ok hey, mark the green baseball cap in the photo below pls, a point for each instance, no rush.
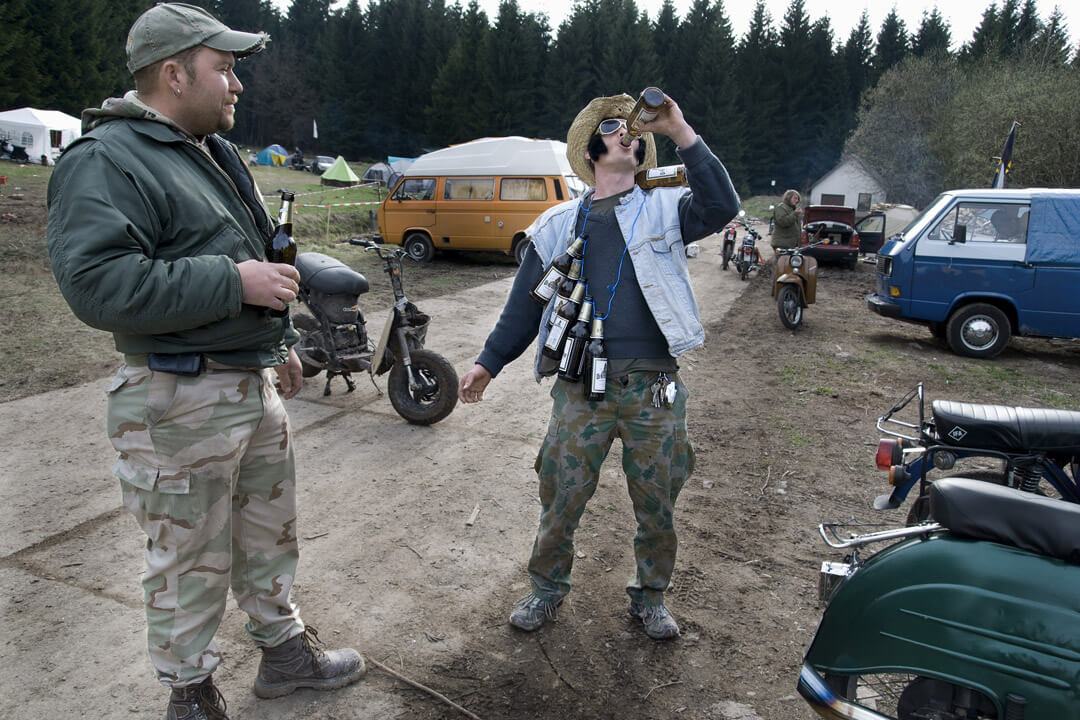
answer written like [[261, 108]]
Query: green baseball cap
[[169, 28]]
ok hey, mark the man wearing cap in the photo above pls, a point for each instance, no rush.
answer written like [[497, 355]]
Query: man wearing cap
[[636, 272], [157, 233]]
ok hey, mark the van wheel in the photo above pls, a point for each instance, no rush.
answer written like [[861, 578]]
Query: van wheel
[[978, 330], [419, 247], [520, 248]]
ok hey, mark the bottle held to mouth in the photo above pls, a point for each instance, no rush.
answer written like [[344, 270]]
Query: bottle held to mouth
[[645, 110]]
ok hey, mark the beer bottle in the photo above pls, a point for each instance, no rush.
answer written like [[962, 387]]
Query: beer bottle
[[566, 288], [595, 363], [557, 271], [647, 108], [553, 346], [667, 176], [570, 367], [282, 248]]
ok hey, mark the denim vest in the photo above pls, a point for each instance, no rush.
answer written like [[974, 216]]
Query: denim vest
[[649, 222]]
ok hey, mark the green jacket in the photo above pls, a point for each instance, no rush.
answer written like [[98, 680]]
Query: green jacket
[[787, 231], [146, 226]]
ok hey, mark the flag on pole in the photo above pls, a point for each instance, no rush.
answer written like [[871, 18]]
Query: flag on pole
[[1005, 164], [314, 128]]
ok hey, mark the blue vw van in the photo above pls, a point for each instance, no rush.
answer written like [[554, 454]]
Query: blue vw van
[[979, 266]]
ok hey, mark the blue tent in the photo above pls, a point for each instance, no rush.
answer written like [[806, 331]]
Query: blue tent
[[272, 155]]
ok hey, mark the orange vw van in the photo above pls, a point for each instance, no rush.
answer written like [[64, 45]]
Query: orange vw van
[[479, 195]]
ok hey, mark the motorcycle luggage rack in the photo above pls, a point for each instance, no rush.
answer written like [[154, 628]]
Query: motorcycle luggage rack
[[888, 418], [830, 533]]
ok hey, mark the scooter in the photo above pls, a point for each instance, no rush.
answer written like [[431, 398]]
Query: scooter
[[728, 248], [422, 384], [747, 258], [1031, 449], [794, 283], [970, 617]]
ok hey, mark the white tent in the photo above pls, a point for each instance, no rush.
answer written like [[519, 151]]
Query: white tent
[[40, 132]]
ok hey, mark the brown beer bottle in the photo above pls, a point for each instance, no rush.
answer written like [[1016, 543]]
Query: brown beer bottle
[[557, 271], [282, 248], [595, 363], [648, 106], [556, 336], [667, 176], [571, 367], [565, 289]]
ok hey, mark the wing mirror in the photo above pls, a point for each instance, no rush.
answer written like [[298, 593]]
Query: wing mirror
[[959, 235]]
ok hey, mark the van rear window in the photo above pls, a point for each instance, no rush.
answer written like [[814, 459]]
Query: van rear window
[[469, 188], [523, 189]]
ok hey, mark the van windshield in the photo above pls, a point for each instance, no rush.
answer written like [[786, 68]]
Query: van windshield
[[415, 189]]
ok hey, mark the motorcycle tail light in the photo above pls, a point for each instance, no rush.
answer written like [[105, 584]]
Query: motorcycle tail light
[[889, 453]]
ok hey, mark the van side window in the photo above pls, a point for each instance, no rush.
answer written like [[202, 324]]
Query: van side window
[[416, 189], [558, 189], [523, 189], [469, 188], [985, 222]]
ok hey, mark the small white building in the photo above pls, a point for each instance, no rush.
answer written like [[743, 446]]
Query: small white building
[[852, 183], [40, 132]]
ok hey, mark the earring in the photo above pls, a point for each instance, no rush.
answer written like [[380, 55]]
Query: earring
[[177, 92]]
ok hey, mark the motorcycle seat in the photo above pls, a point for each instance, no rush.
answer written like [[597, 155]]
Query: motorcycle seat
[[1012, 429], [985, 511], [328, 275]]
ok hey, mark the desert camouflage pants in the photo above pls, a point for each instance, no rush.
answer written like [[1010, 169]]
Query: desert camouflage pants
[[206, 468], [657, 459]]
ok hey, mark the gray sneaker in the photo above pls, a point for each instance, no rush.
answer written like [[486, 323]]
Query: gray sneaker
[[531, 612], [659, 625]]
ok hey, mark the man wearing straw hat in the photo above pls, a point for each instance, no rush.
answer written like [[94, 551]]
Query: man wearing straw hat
[[635, 267], [157, 234]]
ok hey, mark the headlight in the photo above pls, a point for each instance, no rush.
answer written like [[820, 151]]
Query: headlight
[[796, 261]]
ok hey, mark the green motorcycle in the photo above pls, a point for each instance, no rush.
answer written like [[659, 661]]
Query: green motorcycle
[[974, 616]]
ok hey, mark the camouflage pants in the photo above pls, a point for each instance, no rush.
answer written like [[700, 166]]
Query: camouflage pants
[[657, 459], [206, 468]]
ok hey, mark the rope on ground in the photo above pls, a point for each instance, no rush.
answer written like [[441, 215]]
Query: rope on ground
[[418, 686]]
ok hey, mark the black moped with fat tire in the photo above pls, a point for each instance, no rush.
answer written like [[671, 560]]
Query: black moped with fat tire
[[422, 384]]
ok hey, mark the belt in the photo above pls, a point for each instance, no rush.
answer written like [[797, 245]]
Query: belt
[[140, 360]]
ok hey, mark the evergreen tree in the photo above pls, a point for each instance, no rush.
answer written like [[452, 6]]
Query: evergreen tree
[[513, 56], [986, 38], [665, 43], [1027, 27], [706, 87], [19, 44], [933, 36], [1050, 45], [892, 44], [858, 57], [459, 102], [796, 64], [760, 98]]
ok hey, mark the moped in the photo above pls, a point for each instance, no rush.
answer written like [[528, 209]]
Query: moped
[[728, 248], [970, 617], [1032, 449], [422, 384], [747, 258], [794, 283]]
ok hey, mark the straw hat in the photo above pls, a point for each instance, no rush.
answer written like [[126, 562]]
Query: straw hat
[[584, 126]]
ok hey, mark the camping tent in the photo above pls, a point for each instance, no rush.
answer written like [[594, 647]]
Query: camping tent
[[272, 155], [377, 172], [340, 174], [40, 132]]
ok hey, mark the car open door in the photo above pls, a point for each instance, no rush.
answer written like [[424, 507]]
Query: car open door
[[871, 231]]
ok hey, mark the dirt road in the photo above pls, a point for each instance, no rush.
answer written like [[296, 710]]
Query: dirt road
[[783, 424]]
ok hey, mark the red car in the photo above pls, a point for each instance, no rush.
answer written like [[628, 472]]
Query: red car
[[834, 227]]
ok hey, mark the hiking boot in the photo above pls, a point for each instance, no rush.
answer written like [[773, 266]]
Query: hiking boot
[[299, 662], [531, 612], [202, 701], [659, 625]]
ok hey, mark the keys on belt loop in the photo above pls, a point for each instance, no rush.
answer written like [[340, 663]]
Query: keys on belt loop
[[664, 391]]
